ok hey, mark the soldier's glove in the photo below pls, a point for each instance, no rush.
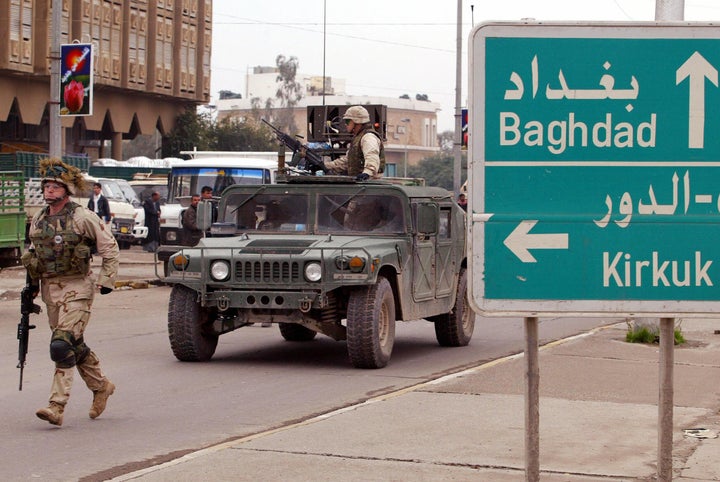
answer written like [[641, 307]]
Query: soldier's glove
[[315, 163], [105, 290], [363, 176]]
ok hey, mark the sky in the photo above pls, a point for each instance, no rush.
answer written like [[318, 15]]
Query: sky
[[388, 47]]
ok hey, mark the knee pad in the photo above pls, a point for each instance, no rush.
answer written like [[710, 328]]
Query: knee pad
[[61, 349], [81, 351]]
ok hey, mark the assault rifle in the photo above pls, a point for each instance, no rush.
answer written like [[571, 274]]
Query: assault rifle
[[303, 156], [27, 307]]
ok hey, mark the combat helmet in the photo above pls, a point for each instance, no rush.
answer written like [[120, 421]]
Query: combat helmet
[[358, 114], [55, 170]]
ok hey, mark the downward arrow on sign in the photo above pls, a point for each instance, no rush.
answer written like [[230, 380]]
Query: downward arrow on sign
[[520, 241]]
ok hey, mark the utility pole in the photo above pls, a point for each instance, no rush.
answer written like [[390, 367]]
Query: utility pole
[[55, 134], [457, 154]]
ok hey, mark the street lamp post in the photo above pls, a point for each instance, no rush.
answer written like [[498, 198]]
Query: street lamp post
[[406, 120]]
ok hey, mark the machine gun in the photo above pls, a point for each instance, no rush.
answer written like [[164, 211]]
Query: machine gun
[[303, 157], [27, 307]]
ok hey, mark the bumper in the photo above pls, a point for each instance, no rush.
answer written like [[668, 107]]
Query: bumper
[[140, 232], [123, 236], [122, 229], [265, 300]]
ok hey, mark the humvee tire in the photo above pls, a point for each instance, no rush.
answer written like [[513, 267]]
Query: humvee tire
[[185, 327], [456, 328], [371, 325]]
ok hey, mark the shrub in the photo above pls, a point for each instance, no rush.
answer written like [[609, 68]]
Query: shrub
[[642, 333]]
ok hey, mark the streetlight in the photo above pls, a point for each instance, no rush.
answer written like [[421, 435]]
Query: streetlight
[[407, 139]]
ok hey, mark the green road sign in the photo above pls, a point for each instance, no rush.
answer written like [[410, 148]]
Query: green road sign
[[594, 169]]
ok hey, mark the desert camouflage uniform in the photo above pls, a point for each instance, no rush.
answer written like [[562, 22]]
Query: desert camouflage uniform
[[61, 262], [366, 153]]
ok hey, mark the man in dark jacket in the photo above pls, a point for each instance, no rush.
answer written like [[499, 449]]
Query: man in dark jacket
[[206, 194], [99, 203], [152, 221], [191, 233]]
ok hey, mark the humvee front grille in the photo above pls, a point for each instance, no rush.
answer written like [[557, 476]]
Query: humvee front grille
[[268, 271]]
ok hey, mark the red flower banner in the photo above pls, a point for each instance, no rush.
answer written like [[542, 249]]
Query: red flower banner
[[76, 79]]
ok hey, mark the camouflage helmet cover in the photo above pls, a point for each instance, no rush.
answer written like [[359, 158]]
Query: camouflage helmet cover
[[55, 170], [357, 114]]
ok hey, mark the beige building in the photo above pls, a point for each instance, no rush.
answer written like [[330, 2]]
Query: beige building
[[411, 124], [152, 60]]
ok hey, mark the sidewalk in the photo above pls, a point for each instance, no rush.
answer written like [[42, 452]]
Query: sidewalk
[[598, 418], [137, 268]]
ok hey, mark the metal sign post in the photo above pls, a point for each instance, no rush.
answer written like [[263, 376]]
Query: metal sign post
[[55, 127], [532, 401], [665, 398]]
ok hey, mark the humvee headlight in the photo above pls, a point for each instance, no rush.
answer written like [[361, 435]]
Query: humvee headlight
[[171, 236], [220, 270], [180, 262], [356, 264], [313, 271]]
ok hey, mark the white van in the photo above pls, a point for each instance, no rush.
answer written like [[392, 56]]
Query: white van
[[140, 231], [189, 177], [122, 213]]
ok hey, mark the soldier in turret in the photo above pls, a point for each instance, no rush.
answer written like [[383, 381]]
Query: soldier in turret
[[365, 158], [63, 234]]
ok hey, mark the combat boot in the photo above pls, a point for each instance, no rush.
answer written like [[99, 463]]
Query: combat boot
[[100, 398], [52, 413]]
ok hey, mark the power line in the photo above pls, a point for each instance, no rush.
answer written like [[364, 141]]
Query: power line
[[622, 10], [341, 24], [301, 26]]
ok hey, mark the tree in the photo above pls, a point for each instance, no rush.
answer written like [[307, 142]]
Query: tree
[[438, 170], [233, 135], [446, 141], [289, 92], [192, 130], [229, 94], [199, 131]]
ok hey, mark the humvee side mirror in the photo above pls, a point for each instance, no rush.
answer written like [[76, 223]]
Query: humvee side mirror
[[427, 218], [204, 215]]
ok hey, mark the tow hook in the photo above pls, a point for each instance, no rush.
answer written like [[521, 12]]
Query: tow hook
[[223, 303], [305, 305]]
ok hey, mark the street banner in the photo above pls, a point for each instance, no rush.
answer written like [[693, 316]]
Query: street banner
[[76, 79]]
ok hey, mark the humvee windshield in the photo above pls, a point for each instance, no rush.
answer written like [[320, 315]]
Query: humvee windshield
[[336, 213], [186, 181]]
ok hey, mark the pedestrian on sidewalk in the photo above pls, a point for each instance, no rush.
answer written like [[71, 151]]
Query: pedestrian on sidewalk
[[206, 194], [99, 203], [191, 233], [152, 221], [62, 236]]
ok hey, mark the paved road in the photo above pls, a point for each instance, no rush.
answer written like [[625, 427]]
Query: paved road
[[164, 408]]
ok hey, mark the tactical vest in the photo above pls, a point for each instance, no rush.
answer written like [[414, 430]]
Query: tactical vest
[[60, 251], [356, 158]]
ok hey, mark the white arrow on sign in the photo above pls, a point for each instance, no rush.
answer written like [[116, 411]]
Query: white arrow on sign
[[697, 69], [520, 241]]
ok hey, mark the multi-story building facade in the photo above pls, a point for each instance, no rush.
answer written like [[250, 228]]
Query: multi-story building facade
[[152, 60]]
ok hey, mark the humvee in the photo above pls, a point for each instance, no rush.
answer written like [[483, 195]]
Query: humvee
[[325, 255]]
